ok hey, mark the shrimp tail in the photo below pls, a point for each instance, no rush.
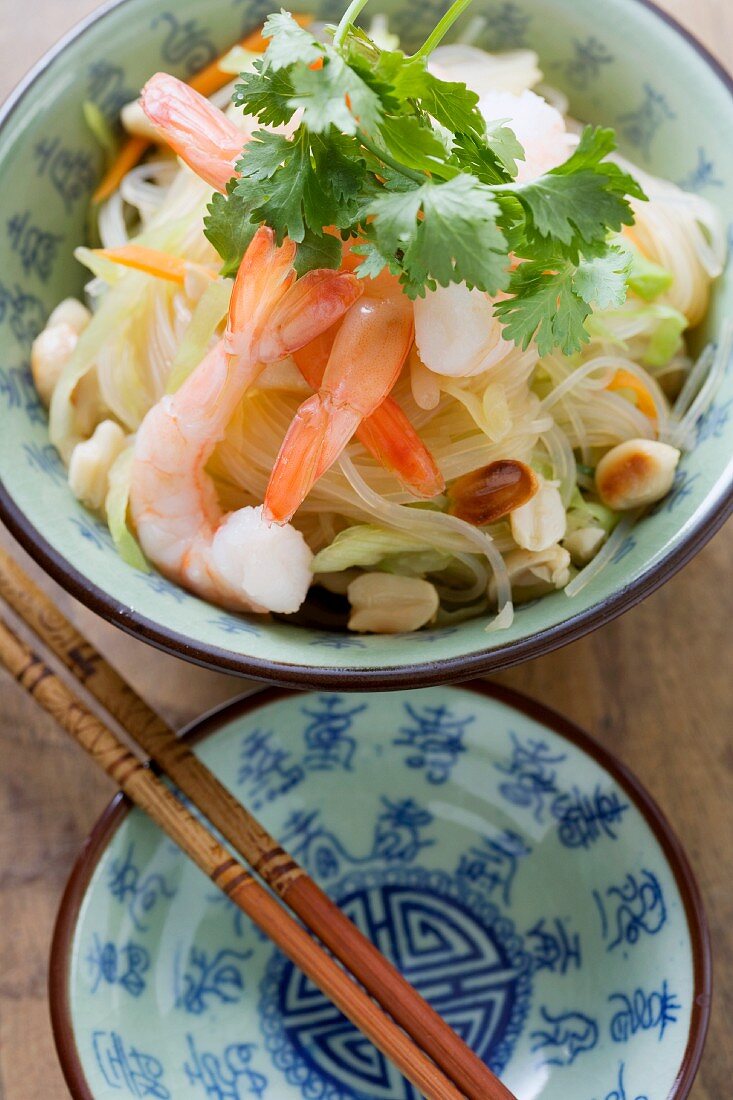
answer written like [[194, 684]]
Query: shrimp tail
[[271, 315], [314, 304], [389, 435], [317, 436], [201, 134]]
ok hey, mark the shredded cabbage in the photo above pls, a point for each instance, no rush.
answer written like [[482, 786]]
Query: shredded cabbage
[[116, 503], [207, 317]]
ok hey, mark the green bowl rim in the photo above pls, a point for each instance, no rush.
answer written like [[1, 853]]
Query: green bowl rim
[[60, 961], [712, 515]]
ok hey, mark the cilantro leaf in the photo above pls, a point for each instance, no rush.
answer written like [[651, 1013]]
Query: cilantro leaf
[[230, 230], [544, 308], [483, 160], [505, 145], [323, 103], [403, 162], [308, 182], [603, 280], [451, 104], [415, 144], [317, 252], [266, 95], [447, 233], [578, 202], [289, 42]]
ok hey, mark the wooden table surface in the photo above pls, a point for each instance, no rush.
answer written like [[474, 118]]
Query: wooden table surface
[[656, 687]]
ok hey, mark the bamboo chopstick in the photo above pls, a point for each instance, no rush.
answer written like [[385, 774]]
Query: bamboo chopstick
[[249, 838], [161, 805]]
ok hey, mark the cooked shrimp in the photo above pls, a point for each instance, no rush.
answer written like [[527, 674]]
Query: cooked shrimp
[[368, 354], [539, 128], [201, 134], [211, 145], [236, 560], [388, 433]]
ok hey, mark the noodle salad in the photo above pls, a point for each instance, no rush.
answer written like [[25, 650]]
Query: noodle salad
[[394, 327]]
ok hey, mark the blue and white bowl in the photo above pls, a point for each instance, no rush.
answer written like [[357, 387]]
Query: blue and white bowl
[[515, 872], [621, 62]]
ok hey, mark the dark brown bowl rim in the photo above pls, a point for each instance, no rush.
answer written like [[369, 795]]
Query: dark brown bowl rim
[[111, 819], [710, 519]]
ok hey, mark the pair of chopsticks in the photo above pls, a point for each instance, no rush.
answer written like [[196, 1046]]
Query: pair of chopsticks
[[401, 1024]]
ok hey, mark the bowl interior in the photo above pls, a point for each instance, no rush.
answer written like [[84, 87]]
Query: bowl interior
[[524, 888], [620, 63]]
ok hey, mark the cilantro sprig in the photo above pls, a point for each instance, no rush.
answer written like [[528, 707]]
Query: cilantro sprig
[[386, 152]]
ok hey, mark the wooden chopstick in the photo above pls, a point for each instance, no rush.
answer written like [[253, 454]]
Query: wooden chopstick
[[276, 866], [228, 874]]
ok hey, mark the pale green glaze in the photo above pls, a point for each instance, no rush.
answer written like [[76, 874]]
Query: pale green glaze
[[620, 63]]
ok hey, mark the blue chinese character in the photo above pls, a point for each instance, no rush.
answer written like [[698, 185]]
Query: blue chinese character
[[207, 979], [125, 966], [436, 736], [26, 314], [587, 62], [139, 893], [107, 88], [584, 818], [643, 1012], [555, 949], [702, 175], [186, 43], [618, 1092], [532, 775], [507, 26], [635, 907], [398, 832], [494, 864], [72, 172], [568, 1035], [124, 1067], [225, 1076], [641, 126], [328, 745], [713, 423], [266, 770], [397, 839], [36, 247]]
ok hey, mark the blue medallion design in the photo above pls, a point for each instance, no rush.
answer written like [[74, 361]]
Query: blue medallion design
[[450, 942]]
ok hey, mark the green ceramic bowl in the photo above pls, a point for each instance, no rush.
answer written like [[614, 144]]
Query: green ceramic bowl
[[621, 62]]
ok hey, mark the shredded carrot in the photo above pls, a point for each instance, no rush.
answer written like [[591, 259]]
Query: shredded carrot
[[625, 380], [160, 264], [128, 157], [207, 82]]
